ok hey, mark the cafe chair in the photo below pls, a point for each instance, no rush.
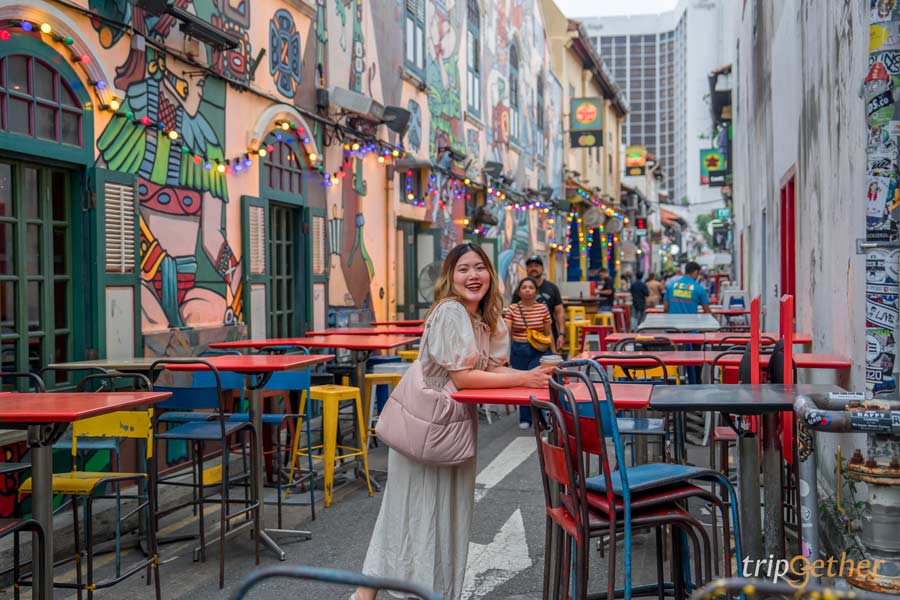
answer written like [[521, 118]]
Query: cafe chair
[[216, 428], [331, 576], [331, 397], [598, 332], [13, 470], [597, 423], [639, 373], [574, 522], [15, 527], [764, 588], [93, 485]]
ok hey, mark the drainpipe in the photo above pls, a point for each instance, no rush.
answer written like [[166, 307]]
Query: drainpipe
[[390, 234]]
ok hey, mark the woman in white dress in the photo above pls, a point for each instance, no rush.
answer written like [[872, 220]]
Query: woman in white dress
[[422, 531]]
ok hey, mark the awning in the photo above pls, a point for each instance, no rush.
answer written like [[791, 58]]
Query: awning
[[670, 218], [714, 260]]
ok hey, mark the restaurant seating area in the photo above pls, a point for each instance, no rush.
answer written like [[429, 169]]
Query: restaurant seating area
[[265, 422]]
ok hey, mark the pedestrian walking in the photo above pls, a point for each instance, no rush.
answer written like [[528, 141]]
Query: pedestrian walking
[[639, 294], [684, 295], [422, 531], [527, 321], [657, 290], [547, 293], [606, 291]]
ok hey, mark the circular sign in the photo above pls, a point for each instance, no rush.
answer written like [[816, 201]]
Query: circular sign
[[587, 140], [586, 113]]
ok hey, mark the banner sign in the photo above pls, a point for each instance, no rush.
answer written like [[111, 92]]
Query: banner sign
[[586, 122], [713, 167], [635, 160]]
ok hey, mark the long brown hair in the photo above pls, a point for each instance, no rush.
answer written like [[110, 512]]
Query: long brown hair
[[491, 305]]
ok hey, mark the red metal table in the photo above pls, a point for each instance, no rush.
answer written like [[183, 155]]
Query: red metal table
[[674, 358], [803, 360], [412, 322], [676, 337], [717, 337], [410, 330], [626, 396], [723, 312], [257, 368], [46, 417]]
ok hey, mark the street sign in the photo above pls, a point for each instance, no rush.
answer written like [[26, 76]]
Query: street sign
[[586, 122], [723, 213], [635, 160], [712, 160]]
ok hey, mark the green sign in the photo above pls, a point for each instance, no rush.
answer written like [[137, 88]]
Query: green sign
[[711, 160], [586, 122], [723, 214]]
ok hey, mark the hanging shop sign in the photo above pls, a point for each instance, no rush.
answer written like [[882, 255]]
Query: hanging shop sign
[[713, 167], [586, 122], [635, 160]]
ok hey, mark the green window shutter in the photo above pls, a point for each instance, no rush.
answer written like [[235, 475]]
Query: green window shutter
[[116, 232], [254, 234]]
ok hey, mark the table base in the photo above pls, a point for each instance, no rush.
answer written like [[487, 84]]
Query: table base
[[748, 481]]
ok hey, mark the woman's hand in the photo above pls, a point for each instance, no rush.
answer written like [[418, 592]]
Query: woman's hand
[[535, 378]]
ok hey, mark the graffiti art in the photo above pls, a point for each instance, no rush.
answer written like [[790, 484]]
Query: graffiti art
[[284, 53]]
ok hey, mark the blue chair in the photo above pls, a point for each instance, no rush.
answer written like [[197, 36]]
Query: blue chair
[[217, 428], [284, 381], [625, 483]]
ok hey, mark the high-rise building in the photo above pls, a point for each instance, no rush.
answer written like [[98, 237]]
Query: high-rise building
[[662, 61]]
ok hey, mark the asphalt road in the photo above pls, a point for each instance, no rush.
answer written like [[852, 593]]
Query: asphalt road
[[506, 556]]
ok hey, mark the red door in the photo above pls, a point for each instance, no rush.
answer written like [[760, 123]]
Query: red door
[[788, 234]]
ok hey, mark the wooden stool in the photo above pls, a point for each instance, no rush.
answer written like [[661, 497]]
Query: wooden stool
[[331, 397], [373, 380]]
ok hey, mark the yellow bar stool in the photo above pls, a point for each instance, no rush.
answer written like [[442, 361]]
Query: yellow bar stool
[[373, 380], [408, 355], [331, 396], [605, 318], [576, 313], [573, 329]]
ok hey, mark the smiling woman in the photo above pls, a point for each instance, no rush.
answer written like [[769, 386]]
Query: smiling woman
[[422, 532]]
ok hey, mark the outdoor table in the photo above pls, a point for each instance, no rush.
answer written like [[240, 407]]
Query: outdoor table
[[401, 323], [748, 399], [257, 369], [626, 396], [678, 338], [803, 360], [723, 312], [360, 345], [414, 330], [681, 322], [716, 337], [46, 416], [137, 364], [672, 358]]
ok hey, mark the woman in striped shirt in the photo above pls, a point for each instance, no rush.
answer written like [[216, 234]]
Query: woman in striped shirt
[[520, 317]]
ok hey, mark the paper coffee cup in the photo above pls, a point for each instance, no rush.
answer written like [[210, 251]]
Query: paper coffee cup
[[548, 361]]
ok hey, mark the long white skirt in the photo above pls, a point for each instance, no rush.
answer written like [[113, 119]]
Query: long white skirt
[[422, 531]]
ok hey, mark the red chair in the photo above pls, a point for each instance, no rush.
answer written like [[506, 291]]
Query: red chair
[[622, 315], [600, 330], [573, 519]]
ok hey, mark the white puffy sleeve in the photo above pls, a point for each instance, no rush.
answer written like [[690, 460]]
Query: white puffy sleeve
[[451, 341], [499, 350]]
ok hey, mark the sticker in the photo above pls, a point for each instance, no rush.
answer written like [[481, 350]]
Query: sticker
[[804, 489], [880, 90], [881, 10], [882, 196]]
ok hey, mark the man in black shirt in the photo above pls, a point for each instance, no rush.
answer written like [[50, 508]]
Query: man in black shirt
[[639, 293], [606, 291], [547, 293]]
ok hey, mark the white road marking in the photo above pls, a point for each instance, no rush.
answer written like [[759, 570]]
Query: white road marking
[[505, 463], [492, 565]]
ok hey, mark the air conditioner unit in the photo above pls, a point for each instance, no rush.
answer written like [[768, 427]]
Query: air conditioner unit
[[356, 103]]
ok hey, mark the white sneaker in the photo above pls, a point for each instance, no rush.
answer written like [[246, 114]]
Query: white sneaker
[[524, 425]]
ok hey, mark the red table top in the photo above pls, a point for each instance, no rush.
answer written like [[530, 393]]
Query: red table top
[[66, 407], [718, 336], [405, 330], [803, 360], [677, 338], [678, 358], [625, 396], [410, 322], [255, 363], [727, 312], [347, 342]]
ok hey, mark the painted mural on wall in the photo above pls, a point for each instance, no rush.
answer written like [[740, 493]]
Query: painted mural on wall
[[882, 89], [190, 274], [284, 53], [442, 68]]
